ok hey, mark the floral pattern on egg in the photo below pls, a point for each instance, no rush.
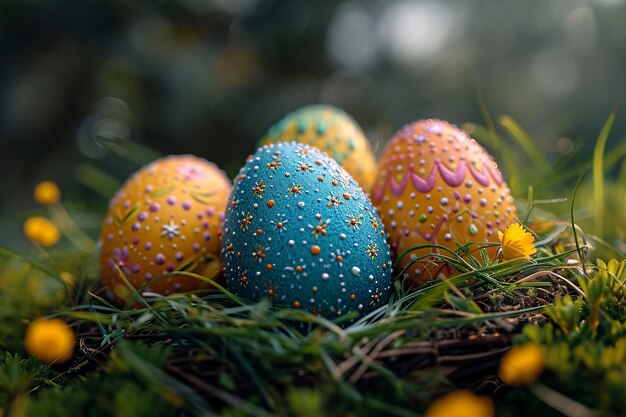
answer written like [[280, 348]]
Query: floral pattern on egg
[[167, 217], [301, 232], [333, 131], [436, 185]]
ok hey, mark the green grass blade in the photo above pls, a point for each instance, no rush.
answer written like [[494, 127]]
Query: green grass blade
[[517, 132], [71, 231], [496, 142], [580, 254], [616, 154], [390, 409], [156, 376], [53, 273], [97, 180], [137, 297], [598, 173], [610, 160], [602, 242], [130, 150], [621, 178]]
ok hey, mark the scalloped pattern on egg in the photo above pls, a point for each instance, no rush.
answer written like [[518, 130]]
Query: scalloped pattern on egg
[[436, 185]]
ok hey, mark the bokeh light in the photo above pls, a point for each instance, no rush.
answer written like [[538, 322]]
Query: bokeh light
[[209, 77]]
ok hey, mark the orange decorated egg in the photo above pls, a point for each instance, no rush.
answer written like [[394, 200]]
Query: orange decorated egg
[[167, 217], [436, 185], [333, 131]]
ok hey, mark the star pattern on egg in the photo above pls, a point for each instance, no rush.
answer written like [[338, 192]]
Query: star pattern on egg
[[436, 185], [167, 217], [170, 230], [297, 246]]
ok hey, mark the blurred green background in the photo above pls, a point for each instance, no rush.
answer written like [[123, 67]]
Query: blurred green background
[[209, 77]]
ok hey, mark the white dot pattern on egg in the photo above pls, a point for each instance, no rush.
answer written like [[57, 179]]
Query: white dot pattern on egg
[[301, 232], [436, 185]]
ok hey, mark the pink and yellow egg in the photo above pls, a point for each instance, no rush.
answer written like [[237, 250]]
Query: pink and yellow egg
[[436, 185]]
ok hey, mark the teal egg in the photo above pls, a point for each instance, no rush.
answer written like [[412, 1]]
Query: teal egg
[[300, 231]]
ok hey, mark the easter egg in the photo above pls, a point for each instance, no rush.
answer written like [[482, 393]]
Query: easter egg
[[333, 131], [167, 217], [301, 232], [436, 185]]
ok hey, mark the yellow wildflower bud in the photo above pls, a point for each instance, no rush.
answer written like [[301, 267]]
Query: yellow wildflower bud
[[522, 364], [47, 193], [67, 278], [462, 403], [516, 242], [42, 231], [50, 340]]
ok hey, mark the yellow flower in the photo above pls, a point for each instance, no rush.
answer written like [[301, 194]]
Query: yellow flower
[[461, 403], [522, 364], [516, 242], [42, 231], [67, 278], [50, 340], [47, 193]]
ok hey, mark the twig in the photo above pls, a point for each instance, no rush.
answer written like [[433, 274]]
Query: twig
[[560, 402], [368, 359]]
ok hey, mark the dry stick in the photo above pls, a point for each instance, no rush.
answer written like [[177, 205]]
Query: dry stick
[[79, 365], [453, 343], [368, 359], [534, 276], [455, 312], [450, 366], [359, 350], [472, 356], [544, 291], [409, 352], [435, 347], [560, 402], [555, 275]]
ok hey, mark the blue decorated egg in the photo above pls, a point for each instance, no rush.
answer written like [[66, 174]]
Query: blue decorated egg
[[301, 232]]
